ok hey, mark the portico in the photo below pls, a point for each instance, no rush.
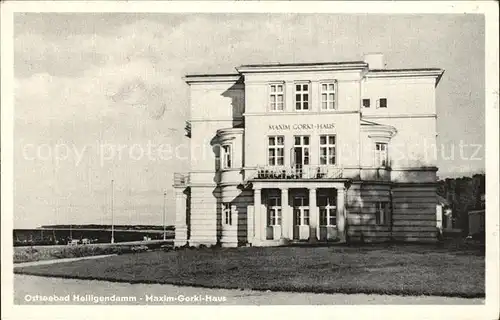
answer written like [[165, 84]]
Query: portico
[[297, 211]]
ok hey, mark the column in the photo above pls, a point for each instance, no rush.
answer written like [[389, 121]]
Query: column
[[291, 223], [250, 224], [286, 219], [257, 203], [180, 218], [263, 224], [313, 216], [341, 219]]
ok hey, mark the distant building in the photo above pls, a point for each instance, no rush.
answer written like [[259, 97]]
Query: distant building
[[309, 152], [477, 218]]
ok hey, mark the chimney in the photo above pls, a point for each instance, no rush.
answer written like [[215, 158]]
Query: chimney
[[375, 60]]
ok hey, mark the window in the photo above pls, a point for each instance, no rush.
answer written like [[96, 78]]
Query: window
[[382, 103], [328, 96], [274, 211], [366, 103], [381, 154], [327, 211], [276, 151], [226, 156], [327, 151], [302, 97], [301, 211], [301, 151], [226, 213], [276, 97], [382, 214]]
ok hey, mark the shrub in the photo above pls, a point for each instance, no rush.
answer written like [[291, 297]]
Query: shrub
[[28, 254]]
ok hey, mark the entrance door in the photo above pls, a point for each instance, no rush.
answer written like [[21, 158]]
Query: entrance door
[[300, 155], [273, 229], [327, 217], [300, 218]]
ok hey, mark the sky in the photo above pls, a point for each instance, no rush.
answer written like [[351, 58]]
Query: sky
[[96, 95]]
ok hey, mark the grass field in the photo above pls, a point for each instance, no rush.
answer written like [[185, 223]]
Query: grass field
[[381, 269]]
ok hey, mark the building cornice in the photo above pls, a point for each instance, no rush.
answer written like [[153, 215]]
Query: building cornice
[[376, 130], [216, 120], [422, 168], [211, 78], [389, 116], [406, 73], [297, 67], [230, 131], [290, 113]]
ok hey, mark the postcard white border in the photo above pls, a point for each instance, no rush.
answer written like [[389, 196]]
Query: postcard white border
[[488, 311]]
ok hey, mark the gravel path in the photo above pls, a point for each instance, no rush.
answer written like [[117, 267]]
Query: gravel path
[[27, 288]]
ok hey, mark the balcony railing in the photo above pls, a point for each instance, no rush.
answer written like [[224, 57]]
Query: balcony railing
[[297, 172], [181, 179]]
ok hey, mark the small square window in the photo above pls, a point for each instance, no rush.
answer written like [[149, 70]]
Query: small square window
[[383, 103], [366, 103]]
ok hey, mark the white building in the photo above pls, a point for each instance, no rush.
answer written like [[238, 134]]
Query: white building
[[310, 152]]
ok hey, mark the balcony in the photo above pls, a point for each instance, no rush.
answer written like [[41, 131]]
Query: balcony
[[181, 179], [296, 172]]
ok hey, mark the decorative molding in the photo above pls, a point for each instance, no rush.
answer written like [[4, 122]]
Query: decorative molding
[[422, 168], [203, 185], [217, 120], [230, 131], [389, 116], [210, 78], [400, 73], [263, 68], [378, 131], [288, 113]]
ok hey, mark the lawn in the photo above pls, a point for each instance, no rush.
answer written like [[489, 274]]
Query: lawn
[[381, 269]]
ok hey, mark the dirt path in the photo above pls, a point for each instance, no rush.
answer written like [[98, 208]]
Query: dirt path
[[27, 288], [42, 262]]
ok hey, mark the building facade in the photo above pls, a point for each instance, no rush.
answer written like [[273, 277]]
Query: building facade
[[313, 152]]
